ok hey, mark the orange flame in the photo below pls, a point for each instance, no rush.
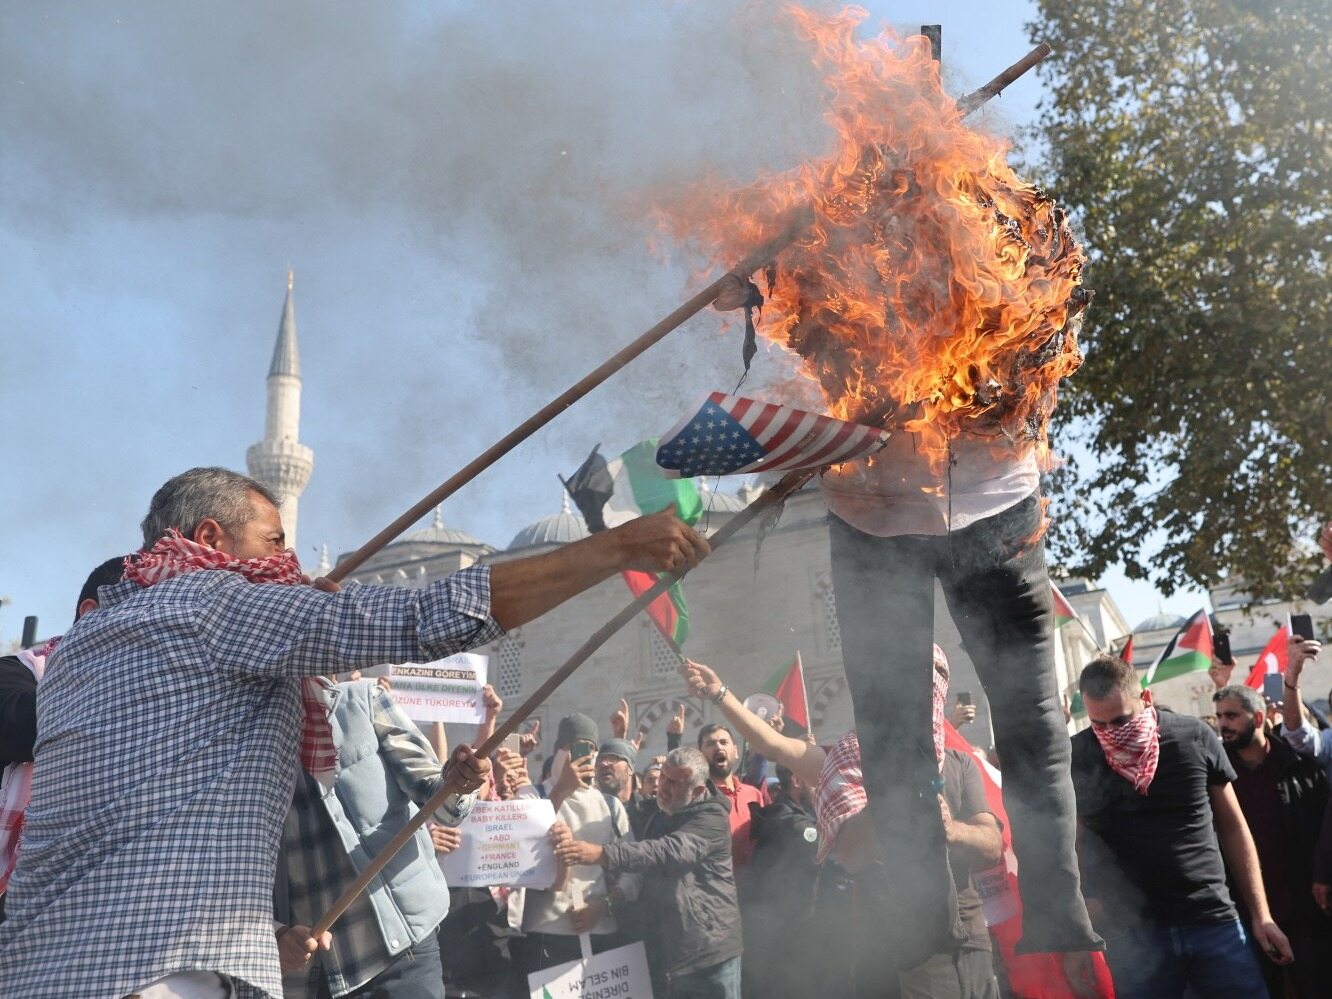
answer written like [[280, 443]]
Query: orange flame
[[932, 277]]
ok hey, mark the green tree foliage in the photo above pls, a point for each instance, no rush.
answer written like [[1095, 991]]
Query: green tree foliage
[[1191, 139]]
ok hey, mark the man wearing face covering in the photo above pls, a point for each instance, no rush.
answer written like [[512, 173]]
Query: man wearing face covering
[[1158, 813]]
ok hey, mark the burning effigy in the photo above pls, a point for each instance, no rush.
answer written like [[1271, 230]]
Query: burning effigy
[[933, 292]]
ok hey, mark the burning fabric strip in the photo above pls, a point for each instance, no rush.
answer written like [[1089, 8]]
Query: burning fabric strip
[[732, 435]]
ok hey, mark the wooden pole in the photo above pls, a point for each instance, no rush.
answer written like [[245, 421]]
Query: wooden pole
[[995, 87], [792, 231], [787, 485], [795, 226]]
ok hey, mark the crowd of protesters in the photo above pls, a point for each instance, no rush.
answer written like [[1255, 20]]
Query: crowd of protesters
[[211, 773]]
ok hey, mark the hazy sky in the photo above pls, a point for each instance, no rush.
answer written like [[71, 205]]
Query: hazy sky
[[460, 190]]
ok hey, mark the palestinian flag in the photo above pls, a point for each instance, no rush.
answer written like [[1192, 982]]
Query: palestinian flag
[[1126, 650], [1075, 706], [1190, 651], [1063, 610], [611, 493], [788, 686], [1274, 658]]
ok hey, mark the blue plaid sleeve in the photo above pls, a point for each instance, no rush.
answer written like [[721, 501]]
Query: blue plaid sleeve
[[269, 631], [407, 755]]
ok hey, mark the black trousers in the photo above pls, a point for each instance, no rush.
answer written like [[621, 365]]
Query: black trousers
[[994, 579]]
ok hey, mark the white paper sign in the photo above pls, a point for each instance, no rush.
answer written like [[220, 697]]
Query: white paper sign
[[504, 843], [621, 973], [447, 690]]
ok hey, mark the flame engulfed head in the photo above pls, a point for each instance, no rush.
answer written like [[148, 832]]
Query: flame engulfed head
[[932, 281]]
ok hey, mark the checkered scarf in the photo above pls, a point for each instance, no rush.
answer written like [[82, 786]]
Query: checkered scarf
[[174, 553], [841, 790], [1133, 749]]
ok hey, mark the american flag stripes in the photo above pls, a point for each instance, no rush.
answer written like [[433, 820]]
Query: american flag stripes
[[732, 435]]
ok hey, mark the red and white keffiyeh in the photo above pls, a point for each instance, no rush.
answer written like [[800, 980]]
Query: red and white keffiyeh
[[939, 672], [1133, 749], [841, 790], [16, 785], [840, 794], [174, 554]]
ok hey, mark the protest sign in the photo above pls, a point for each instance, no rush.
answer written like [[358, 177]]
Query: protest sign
[[504, 843], [447, 690], [621, 973]]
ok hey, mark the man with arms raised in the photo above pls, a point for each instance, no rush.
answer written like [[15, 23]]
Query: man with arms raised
[[1157, 814], [169, 726]]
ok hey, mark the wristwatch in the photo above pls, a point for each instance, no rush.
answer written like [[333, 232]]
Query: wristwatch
[[721, 693]]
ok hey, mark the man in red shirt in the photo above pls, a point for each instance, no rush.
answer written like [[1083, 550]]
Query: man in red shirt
[[718, 747]]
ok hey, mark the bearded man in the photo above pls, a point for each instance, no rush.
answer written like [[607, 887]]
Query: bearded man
[[169, 726]]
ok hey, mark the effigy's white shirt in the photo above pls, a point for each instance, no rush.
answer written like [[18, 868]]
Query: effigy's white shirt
[[896, 492]]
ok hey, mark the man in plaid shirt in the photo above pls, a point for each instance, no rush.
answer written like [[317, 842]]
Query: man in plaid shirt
[[168, 726]]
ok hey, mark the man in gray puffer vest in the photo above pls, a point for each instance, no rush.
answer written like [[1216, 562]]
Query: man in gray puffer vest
[[385, 944]]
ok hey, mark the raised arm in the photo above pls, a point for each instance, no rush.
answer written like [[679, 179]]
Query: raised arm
[[796, 755], [493, 705], [526, 588]]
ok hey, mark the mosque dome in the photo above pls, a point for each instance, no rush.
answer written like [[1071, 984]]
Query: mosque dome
[[1159, 622], [718, 502], [438, 534], [557, 529]]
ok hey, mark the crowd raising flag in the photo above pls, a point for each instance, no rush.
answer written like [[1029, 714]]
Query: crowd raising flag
[[611, 493], [732, 435], [1273, 659], [1190, 651]]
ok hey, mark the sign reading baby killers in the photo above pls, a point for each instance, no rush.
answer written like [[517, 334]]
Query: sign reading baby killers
[[504, 843], [621, 973], [447, 690]]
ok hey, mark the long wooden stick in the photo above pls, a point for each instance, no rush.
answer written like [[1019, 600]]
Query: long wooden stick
[[787, 485], [794, 228], [792, 231]]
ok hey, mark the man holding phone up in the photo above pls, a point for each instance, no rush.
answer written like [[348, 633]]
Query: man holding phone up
[[584, 899]]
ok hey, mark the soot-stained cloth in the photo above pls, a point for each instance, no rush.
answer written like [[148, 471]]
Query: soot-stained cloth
[[168, 730]]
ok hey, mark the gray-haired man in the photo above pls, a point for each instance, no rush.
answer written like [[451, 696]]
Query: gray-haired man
[[688, 883], [169, 724]]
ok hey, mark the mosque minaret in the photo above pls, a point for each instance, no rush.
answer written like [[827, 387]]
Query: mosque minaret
[[280, 461]]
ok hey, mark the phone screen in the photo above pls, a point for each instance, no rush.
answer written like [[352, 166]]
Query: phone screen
[[964, 697], [1301, 625], [1272, 687]]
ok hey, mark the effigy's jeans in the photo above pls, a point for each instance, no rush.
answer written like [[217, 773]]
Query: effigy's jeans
[[994, 579]]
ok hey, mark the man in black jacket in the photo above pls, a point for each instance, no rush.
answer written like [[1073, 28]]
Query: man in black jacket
[[1283, 796], [782, 941], [688, 883]]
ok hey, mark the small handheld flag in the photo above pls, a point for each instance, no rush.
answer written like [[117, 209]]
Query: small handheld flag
[[1274, 658], [732, 435], [1190, 651]]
